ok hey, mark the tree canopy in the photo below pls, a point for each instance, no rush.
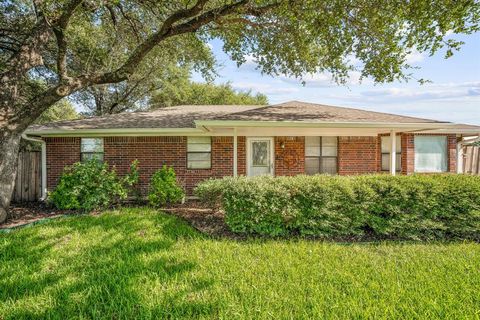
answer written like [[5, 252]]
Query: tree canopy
[[62, 110], [187, 92]]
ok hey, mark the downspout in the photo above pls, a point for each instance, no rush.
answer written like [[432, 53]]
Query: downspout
[[43, 159]]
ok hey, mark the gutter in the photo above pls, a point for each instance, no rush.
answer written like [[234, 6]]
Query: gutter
[[339, 124], [43, 159]]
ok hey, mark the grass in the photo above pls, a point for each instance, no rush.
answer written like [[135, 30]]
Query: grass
[[140, 263]]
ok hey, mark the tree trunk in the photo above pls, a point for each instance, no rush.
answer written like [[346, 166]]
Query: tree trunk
[[9, 145]]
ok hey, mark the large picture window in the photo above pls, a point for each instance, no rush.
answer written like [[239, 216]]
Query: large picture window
[[199, 152], [386, 145], [321, 155], [91, 148], [430, 153]]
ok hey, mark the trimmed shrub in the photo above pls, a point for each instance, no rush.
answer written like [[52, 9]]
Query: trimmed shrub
[[379, 206], [164, 188], [91, 185]]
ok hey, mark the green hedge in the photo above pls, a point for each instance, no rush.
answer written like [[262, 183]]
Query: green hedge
[[378, 206]]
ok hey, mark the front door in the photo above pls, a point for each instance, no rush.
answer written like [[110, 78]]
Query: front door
[[260, 156]]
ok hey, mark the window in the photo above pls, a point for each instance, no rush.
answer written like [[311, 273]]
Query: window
[[91, 148], [430, 153], [386, 145], [321, 155], [199, 152]]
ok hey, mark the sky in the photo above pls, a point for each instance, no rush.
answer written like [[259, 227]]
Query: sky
[[453, 94]]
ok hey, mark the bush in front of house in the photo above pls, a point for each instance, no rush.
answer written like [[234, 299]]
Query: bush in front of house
[[164, 188], [92, 185], [378, 206]]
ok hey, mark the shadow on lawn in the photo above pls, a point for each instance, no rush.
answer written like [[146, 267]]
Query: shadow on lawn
[[107, 266]]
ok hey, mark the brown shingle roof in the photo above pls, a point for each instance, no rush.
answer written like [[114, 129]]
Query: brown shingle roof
[[171, 117], [184, 116], [311, 112]]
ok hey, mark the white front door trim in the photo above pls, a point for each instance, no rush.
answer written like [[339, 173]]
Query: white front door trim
[[249, 153]]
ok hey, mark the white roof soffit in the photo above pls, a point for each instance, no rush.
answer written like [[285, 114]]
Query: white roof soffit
[[219, 127], [466, 131], [115, 132]]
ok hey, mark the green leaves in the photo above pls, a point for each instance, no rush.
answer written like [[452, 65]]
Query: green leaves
[[185, 92], [164, 188], [91, 185], [419, 207]]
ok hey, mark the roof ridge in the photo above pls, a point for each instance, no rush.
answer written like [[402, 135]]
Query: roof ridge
[[357, 109]]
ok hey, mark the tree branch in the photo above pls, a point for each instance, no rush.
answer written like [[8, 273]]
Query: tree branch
[[166, 31], [59, 30]]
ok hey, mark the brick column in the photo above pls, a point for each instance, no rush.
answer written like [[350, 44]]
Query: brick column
[[408, 153]]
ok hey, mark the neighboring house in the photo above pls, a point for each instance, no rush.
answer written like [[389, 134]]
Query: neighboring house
[[291, 138]]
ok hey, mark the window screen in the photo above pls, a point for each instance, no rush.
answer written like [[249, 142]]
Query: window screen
[[91, 148], [430, 153], [385, 141], [199, 152], [321, 155]]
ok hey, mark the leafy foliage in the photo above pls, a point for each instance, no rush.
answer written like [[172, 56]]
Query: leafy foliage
[[91, 185], [62, 110], [164, 188], [381, 206], [186, 92]]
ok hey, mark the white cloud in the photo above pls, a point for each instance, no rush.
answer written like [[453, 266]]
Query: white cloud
[[415, 57], [325, 80], [265, 88], [464, 90]]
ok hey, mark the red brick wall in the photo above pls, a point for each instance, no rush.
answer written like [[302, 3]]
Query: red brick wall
[[289, 160], [357, 155], [152, 153], [242, 156], [452, 153], [61, 152], [408, 153]]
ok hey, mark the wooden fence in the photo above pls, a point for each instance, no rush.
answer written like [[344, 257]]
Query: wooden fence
[[29, 173], [471, 160]]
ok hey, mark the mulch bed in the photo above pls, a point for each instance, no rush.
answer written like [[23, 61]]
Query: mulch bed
[[28, 212], [205, 220]]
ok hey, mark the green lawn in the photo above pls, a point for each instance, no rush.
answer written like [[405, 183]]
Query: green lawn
[[140, 263]]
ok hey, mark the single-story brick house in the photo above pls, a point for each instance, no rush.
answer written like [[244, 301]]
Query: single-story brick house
[[291, 138]]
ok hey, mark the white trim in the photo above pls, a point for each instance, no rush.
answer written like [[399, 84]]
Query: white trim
[[459, 157], [235, 153], [117, 132], [204, 127], [339, 124], [272, 153], [393, 152]]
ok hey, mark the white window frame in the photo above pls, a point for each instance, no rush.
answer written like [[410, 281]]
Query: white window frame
[[97, 152], [321, 157], [189, 162], [398, 153], [446, 160]]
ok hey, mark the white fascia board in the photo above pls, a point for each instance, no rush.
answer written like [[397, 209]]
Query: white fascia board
[[452, 131], [302, 124], [116, 132]]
